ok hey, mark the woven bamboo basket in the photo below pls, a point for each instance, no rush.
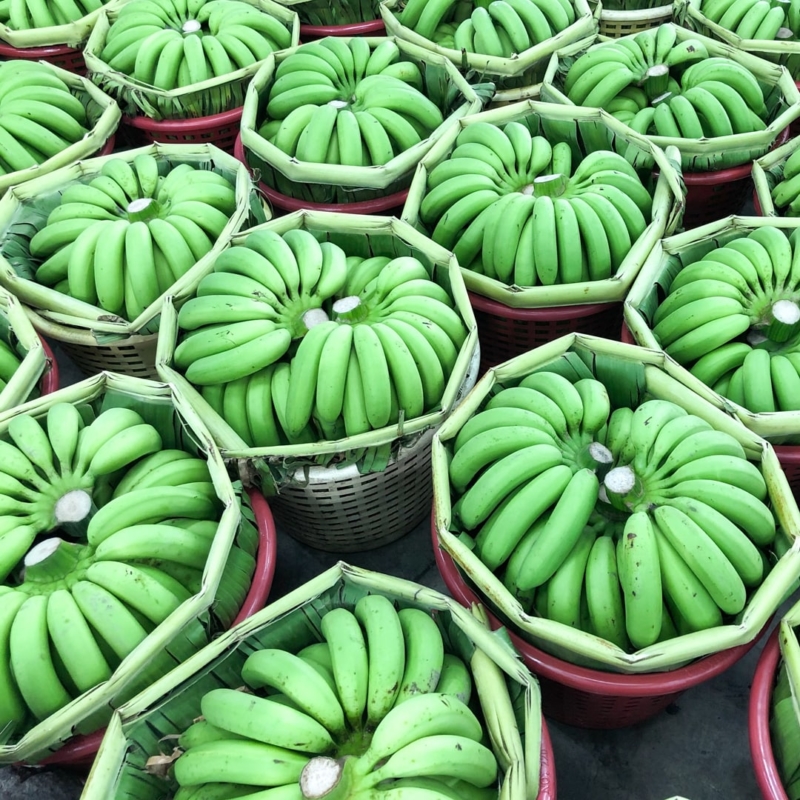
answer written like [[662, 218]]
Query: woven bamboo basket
[[304, 181], [94, 339], [361, 491], [512, 319], [104, 116], [137, 730], [628, 22], [657, 376], [179, 427], [780, 428]]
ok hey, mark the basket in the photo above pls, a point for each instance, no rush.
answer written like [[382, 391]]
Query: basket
[[291, 622], [767, 776], [220, 130], [50, 380], [134, 356], [63, 56], [80, 751], [588, 698], [614, 24], [372, 27], [505, 332]]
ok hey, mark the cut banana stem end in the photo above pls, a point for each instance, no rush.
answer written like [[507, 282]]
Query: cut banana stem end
[[314, 317], [323, 777], [656, 80], [597, 457], [51, 560], [191, 26], [350, 309], [785, 321], [623, 488], [142, 209], [550, 185], [73, 511]]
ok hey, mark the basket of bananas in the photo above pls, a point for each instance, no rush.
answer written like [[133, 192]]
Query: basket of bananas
[[168, 61], [420, 700], [774, 724], [49, 118], [649, 529], [349, 340], [721, 107], [27, 365], [125, 548], [748, 368], [50, 31], [507, 42], [776, 186], [549, 230], [396, 100], [166, 209]]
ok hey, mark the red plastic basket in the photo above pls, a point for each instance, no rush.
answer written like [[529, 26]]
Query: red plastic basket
[[79, 752], [50, 379], [220, 130], [588, 698], [767, 776], [505, 332], [60, 55], [391, 204], [373, 27]]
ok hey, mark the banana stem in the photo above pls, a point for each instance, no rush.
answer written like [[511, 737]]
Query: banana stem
[[350, 309], [785, 321], [656, 80], [595, 456], [624, 488], [143, 209], [73, 511], [191, 26], [328, 778], [550, 185], [51, 560]]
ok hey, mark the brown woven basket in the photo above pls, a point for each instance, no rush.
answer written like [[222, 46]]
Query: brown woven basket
[[135, 355], [614, 24]]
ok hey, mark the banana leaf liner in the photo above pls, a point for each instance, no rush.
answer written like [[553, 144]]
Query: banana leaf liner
[[179, 426], [338, 183], [24, 210], [103, 114], [74, 34], [16, 331], [522, 69], [341, 12], [585, 129], [652, 284], [218, 94], [630, 374], [699, 155], [783, 52], [140, 742], [371, 451], [768, 172]]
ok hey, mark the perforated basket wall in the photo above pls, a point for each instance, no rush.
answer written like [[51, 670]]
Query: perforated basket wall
[[614, 24], [220, 130], [63, 56], [134, 356]]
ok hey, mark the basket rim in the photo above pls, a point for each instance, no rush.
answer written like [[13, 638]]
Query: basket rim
[[50, 379], [584, 679], [547, 314], [351, 29], [80, 750], [183, 125], [38, 52], [761, 753]]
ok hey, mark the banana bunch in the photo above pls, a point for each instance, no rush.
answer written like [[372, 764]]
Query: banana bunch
[[500, 28], [377, 710], [634, 525], [661, 88], [341, 102], [160, 221], [511, 206], [23, 15], [170, 44], [291, 341], [145, 519], [786, 192], [753, 19], [733, 320], [39, 115]]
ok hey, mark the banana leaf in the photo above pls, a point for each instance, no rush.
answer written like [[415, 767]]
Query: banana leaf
[[699, 155], [218, 94], [74, 34], [783, 52], [17, 332], [145, 728], [380, 236], [329, 183], [24, 210], [768, 172], [653, 282], [659, 377], [523, 69], [179, 426], [583, 129], [103, 114]]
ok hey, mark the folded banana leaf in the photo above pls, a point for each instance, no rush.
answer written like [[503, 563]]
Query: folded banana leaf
[[768, 172], [585, 130], [639, 372], [213, 96], [139, 745]]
